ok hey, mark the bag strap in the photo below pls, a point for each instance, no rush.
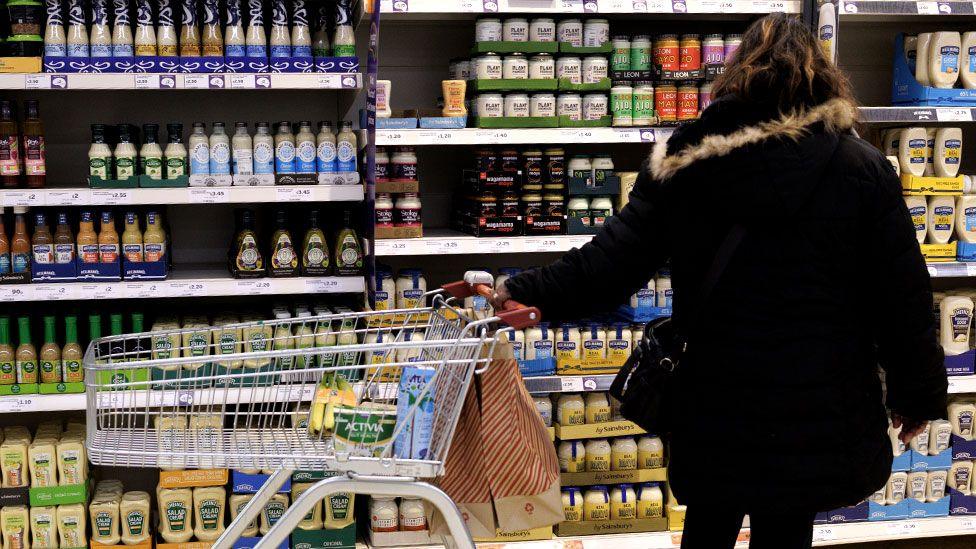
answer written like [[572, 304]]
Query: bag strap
[[719, 263]]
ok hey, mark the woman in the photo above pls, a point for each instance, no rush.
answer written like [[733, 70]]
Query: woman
[[780, 404]]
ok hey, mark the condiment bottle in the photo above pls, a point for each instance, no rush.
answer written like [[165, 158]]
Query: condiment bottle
[[125, 154], [4, 247], [101, 36], [219, 150], [213, 40], [86, 238], [264, 147], [234, 40], [325, 161], [145, 32], [64, 241], [122, 30], [77, 40], [257, 41], [320, 38], [344, 40], [8, 358], [175, 153], [108, 239], [315, 251], [71, 353], [137, 348], [99, 154], [166, 36], [154, 239], [284, 149], [199, 150], [280, 41], [346, 148], [284, 260], [132, 238], [242, 150], [42, 243], [189, 31], [301, 38], [9, 146], [151, 154], [34, 154], [305, 148], [20, 245], [55, 44], [246, 254], [26, 366], [50, 354], [348, 252]]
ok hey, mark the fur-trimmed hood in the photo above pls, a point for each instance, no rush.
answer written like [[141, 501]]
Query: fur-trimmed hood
[[700, 141]]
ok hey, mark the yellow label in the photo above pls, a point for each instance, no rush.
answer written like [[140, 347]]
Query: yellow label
[[596, 511], [649, 509], [618, 350], [576, 465], [597, 414], [624, 461], [597, 462], [623, 510], [573, 416], [573, 513], [650, 460], [594, 349]]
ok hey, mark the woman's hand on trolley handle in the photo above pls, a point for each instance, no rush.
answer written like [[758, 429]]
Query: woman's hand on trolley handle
[[500, 296]]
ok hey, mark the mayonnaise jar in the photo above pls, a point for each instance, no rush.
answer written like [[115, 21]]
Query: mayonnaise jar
[[572, 456], [650, 453], [597, 455], [623, 454], [644, 298], [517, 339], [572, 505], [663, 292], [570, 410], [385, 289], [504, 274], [620, 341], [544, 406], [410, 288], [594, 342], [539, 342], [623, 502], [568, 343], [596, 503], [597, 408], [650, 501]]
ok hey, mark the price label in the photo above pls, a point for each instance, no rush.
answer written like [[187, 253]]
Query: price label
[[209, 195], [824, 533], [659, 6], [21, 198], [967, 524], [112, 197], [970, 269], [141, 290], [495, 246], [571, 384], [389, 138], [708, 6], [108, 291], [571, 6], [46, 292], [146, 82], [291, 394], [727, 6], [196, 82], [68, 198], [37, 82], [777, 6], [903, 528], [927, 8], [541, 245], [450, 247], [253, 287], [13, 292], [241, 81], [954, 115], [196, 288], [177, 289], [17, 404], [433, 247], [322, 285], [445, 137], [294, 194]]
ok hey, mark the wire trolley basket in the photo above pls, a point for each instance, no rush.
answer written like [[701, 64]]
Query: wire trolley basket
[[374, 395]]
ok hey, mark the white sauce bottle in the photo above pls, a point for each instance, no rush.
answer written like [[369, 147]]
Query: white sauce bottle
[[320, 38], [961, 476], [942, 218], [967, 60], [940, 432], [948, 151], [263, 149], [175, 153], [234, 39], [213, 38], [55, 43], [301, 35], [966, 218], [920, 443], [344, 40], [944, 59], [325, 158], [961, 415], [199, 150], [284, 142], [911, 151], [151, 154], [257, 42], [922, 58], [895, 490], [918, 208], [100, 38], [122, 30], [243, 150], [77, 40], [930, 152], [956, 314], [145, 32], [166, 38], [280, 37], [305, 149], [125, 154], [916, 485], [346, 148], [826, 29], [219, 150]]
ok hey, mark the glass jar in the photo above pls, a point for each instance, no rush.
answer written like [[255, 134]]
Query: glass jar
[[620, 58], [544, 406], [622, 104], [597, 455], [650, 501], [532, 169], [601, 208], [690, 52], [595, 106], [410, 288], [713, 49], [542, 104], [666, 102], [488, 67], [462, 70], [384, 514], [532, 204], [597, 406], [382, 165], [596, 503], [385, 288], [666, 52], [594, 69], [542, 29], [570, 105], [487, 157], [643, 103], [623, 454], [580, 167], [570, 409], [704, 95], [570, 68], [623, 502], [572, 504], [383, 208], [404, 164], [408, 210], [491, 105], [732, 43], [487, 204], [620, 340], [640, 53], [413, 516], [553, 204], [510, 204], [664, 294], [554, 165], [542, 66], [510, 160], [650, 451], [488, 29], [596, 32], [567, 343], [517, 105], [515, 67], [515, 29], [687, 99], [570, 31], [571, 453], [579, 208]]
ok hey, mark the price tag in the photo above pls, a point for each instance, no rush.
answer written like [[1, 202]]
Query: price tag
[[571, 384], [707, 6], [241, 81], [209, 195], [44, 292], [322, 285], [571, 6], [777, 6], [196, 82], [293, 194], [16, 404], [449, 246], [433, 247], [541, 245], [196, 288], [141, 290], [389, 138], [445, 137], [927, 8], [112, 197], [108, 291], [68, 198], [14, 292], [971, 269], [954, 115], [495, 246], [658, 6], [903, 528], [146, 82], [967, 524], [20, 198], [582, 135], [253, 287], [824, 533], [37, 82]]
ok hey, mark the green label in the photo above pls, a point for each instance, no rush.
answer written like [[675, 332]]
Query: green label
[[176, 515], [154, 167], [7, 373], [209, 513], [98, 167], [228, 343], [49, 370], [340, 505], [103, 523], [175, 167], [125, 167], [258, 342], [72, 370], [273, 510], [198, 344], [163, 347], [134, 521], [643, 105]]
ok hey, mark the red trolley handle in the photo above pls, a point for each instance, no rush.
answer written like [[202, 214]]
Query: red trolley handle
[[514, 314]]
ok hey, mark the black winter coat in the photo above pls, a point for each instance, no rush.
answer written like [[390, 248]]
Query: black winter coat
[[780, 398]]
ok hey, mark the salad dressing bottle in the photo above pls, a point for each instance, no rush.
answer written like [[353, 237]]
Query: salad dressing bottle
[[4, 247], [55, 43], [71, 354], [234, 40], [50, 354], [344, 41], [145, 32], [280, 39], [325, 161], [64, 241], [301, 38], [10, 162], [154, 239], [8, 360], [26, 366], [348, 251], [125, 154], [346, 148], [242, 150], [101, 35], [284, 149], [108, 239], [122, 30], [166, 35], [219, 150], [175, 153], [284, 260], [77, 41], [315, 252], [213, 40], [189, 31], [35, 166], [264, 149], [320, 39], [42, 244], [151, 154], [246, 254], [99, 154], [132, 239], [199, 150], [256, 41], [20, 244], [87, 239], [305, 148]]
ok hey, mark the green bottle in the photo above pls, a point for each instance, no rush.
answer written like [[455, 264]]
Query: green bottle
[[348, 252], [95, 333], [50, 353], [72, 353], [117, 346], [8, 375], [26, 353], [137, 348]]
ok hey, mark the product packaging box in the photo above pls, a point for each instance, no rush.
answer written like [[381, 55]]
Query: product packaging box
[[963, 449], [246, 483], [961, 504], [250, 543], [54, 272], [537, 367], [160, 544], [585, 528], [928, 509], [902, 462], [634, 476], [535, 534], [401, 539], [14, 496], [58, 495], [148, 544], [939, 253], [324, 539], [961, 365], [598, 430], [914, 184], [192, 478], [898, 511], [854, 513], [905, 90], [939, 462], [19, 389]]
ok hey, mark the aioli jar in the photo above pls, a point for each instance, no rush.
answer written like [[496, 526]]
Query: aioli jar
[[622, 104], [713, 49], [666, 102], [488, 29], [542, 104], [594, 69], [517, 105], [690, 53], [542, 66], [640, 53], [570, 31], [570, 105], [542, 29], [596, 32], [620, 58], [488, 67], [666, 52], [732, 43], [515, 67], [515, 29], [643, 103], [491, 105], [595, 106], [687, 99], [570, 68], [704, 96]]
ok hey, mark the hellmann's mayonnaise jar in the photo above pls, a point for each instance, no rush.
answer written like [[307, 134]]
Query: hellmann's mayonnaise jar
[[572, 504], [539, 342], [596, 503], [594, 342], [517, 340], [544, 406], [568, 343], [572, 456], [619, 342]]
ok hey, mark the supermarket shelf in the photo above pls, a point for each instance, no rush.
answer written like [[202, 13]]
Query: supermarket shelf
[[133, 81], [568, 384], [952, 269], [445, 241], [905, 8], [181, 195], [475, 136], [962, 384], [42, 403], [590, 6], [916, 114], [185, 282]]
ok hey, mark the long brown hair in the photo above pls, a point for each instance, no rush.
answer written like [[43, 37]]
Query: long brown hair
[[781, 63]]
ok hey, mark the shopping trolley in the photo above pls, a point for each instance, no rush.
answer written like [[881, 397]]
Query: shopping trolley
[[308, 393]]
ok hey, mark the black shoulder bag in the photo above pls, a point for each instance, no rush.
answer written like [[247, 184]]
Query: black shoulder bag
[[645, 385]]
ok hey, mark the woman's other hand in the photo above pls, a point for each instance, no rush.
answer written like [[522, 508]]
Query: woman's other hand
[[500, 296], [910, 428]]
